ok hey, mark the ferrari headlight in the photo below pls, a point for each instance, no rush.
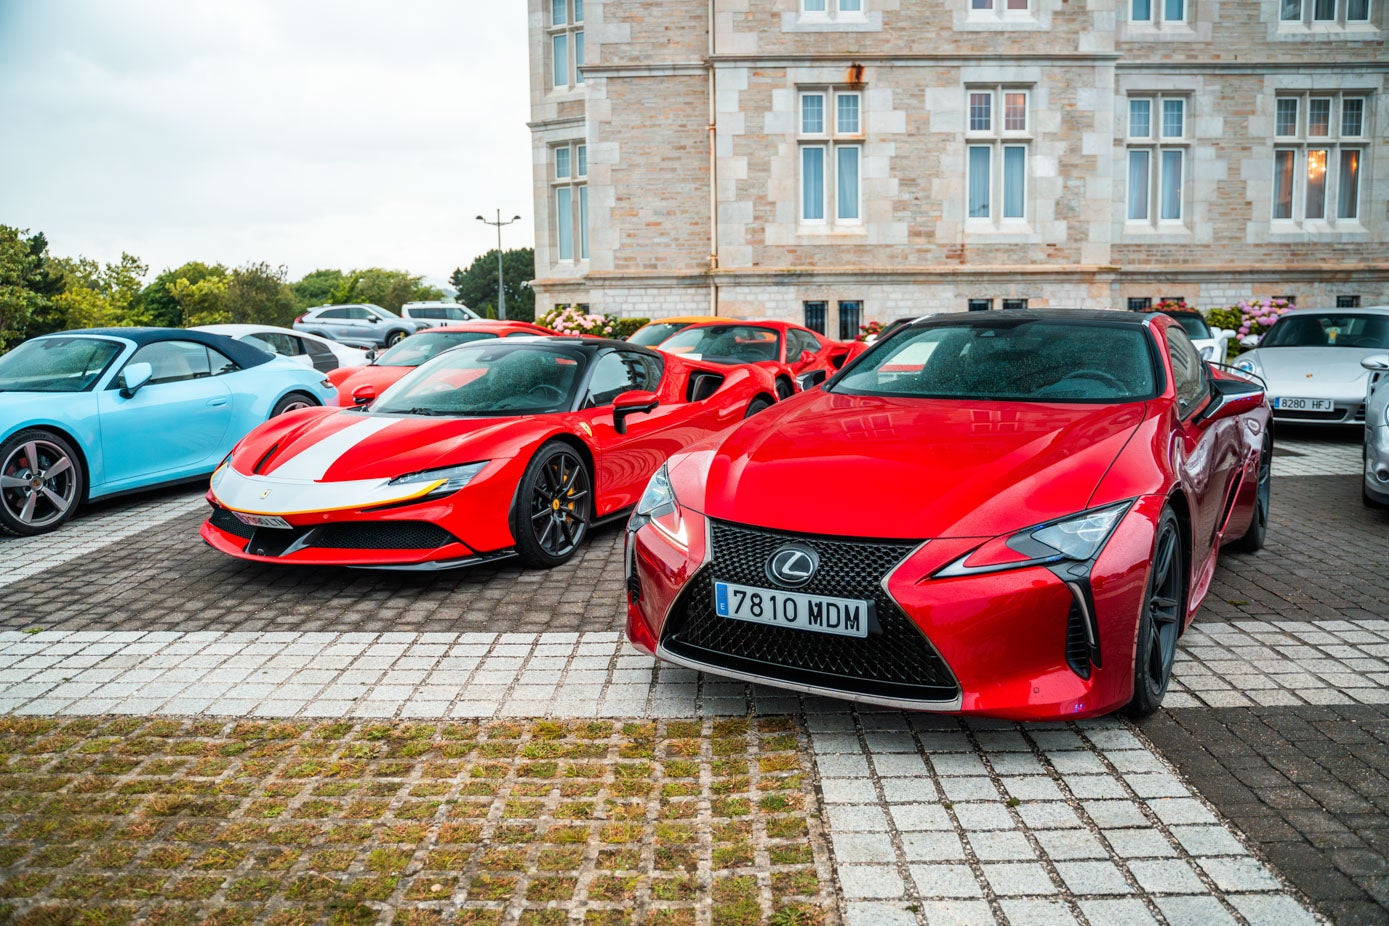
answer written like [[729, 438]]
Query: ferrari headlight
[[1077, 538], [659, 508], [454, 477], [220, 472]]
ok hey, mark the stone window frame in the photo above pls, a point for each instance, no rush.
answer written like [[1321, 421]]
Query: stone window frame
[[1140, 303], [830, 140], [1000, 10], [1295, 141], [999, 139], [1160, 13], [979, 305], [1322, 15], [833, 11], [849, 316], [1348, 301], [571, 30], [568, 170], [815, 313], [1157, 142], [1015, 305]]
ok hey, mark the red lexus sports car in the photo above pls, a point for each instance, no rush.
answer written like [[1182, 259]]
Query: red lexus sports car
[[496, 448], [387, 367], [789, 351], [1013, 514]]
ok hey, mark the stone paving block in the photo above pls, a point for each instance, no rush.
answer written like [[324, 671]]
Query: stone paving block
[[1100, 877], [945, 880], [1197, 911], [1116, 913], [1017, 878], [1037, 912]]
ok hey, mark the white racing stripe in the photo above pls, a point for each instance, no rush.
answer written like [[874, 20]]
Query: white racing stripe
[[310, 464]]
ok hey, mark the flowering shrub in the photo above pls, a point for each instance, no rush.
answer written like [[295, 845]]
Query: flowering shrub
[[869, 330], [569, 320], [1252, 316], [1172, 305]]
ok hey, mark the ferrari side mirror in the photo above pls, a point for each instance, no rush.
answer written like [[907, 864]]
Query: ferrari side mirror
[[364, 395], [632, 403]]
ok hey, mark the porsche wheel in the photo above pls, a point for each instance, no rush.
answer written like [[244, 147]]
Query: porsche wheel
[[550, 518], [1160, 622], [292, 403], [41, 482], [1253, 539]]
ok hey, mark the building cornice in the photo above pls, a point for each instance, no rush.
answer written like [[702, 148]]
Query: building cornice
[[678, 69], [1117, 60], [900, 60], [566, 122], [1252, 67]]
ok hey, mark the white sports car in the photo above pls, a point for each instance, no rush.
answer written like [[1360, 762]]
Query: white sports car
[[309, 349], [1376, 488], [1311, 361]]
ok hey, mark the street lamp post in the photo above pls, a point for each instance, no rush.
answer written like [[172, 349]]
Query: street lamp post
[[501, 284]]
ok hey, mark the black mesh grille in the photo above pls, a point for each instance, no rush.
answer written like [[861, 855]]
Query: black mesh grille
[[381, 535], [1339, 414], [894, 660], [1077, 647], [222, 519]]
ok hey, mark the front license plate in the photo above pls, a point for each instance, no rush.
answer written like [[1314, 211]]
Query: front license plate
[[845, 617], [263, 520], [1287, 403]]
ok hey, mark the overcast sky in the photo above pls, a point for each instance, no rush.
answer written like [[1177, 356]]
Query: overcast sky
[[300, 132]]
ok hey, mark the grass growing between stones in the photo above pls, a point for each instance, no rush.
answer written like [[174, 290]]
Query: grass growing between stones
[[171, 822]]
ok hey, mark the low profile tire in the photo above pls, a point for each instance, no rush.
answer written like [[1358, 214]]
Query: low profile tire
[[1160, 621], [41, 482], [1253, 539], [759, 404], [784, 389], [394, 337], [1369, 500], [292, 403], [550, 518]]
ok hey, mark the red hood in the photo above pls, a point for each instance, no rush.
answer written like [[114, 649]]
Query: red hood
[[346, 379], [340, 445], [911, 468]]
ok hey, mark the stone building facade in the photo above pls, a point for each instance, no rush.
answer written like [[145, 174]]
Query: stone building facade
[[844, 160]]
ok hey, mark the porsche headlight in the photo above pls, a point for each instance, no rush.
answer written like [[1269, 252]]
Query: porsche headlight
[[454, 478], [1076, 538], [659, 508], [1247, 365], [1208, 352]]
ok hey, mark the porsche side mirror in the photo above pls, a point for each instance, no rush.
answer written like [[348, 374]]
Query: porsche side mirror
[[1376, 363], [364, 395], [133, 377], [1249, 340], [811, 380], [631, 403]]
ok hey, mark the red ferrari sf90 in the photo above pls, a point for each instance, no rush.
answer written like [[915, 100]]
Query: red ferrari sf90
[[1012, 514], [496, 448], [787, 350]]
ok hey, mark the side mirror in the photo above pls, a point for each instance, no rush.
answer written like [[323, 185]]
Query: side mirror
[[1230, 398], [811, 380], [364, 395], [373, 319], [631, 403], [1249, 340], [1376, 363], [133, 377], [807, 357], [371, 355]]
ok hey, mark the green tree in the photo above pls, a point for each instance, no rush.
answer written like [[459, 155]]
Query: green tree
[[258, 294], [96, 296], [317, 288], [161, 307], [389, 289], [19, 302], [477, 286], [202, 302]]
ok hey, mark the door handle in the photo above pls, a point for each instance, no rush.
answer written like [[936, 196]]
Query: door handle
[[216, 403]]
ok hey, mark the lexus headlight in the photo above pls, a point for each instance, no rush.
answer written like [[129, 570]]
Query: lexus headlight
[[1078, 538], [659, 508], [454, 478]]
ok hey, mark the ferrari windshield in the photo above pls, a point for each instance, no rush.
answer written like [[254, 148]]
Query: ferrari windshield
[[57, 364], [1329, 329], [498, 378], [656, 332], [725, 343], [427, 345], [1010, 360], [1194, 325]]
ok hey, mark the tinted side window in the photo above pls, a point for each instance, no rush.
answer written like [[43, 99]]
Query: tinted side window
[[613, 375], [1188, 371], [647, 371], [358, 313], [334, 313], [801, 341], [276, 343], [315, 350], [176, 361]]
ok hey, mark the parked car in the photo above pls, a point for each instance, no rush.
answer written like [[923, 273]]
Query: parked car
[[309, 349], [1311, 359], [1213, 343], [437, 314], [93, 413], [653, 333], [787, 350], [361, 385], [1013, 514], [493, 449], [1375, 490], [358, 325]]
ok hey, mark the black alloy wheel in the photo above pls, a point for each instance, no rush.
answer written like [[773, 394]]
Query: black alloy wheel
[[1253, 539], [550, 518], [41, 482], [1160, 621]]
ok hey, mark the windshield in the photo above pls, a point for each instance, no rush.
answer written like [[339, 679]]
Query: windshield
[[56, 364], [725, 343], [1195, 327], [1002, 360], [427, 345], [1329, 329], [499, 378], [656, 332]]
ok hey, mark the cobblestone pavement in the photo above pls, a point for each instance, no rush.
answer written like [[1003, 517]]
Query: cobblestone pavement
[[1268, 763]]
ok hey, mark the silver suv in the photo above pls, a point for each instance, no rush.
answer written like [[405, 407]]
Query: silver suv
[[438, 314], [361, 325]]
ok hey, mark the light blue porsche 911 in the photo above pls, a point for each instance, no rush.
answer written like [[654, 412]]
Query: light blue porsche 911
[[89, 414]]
